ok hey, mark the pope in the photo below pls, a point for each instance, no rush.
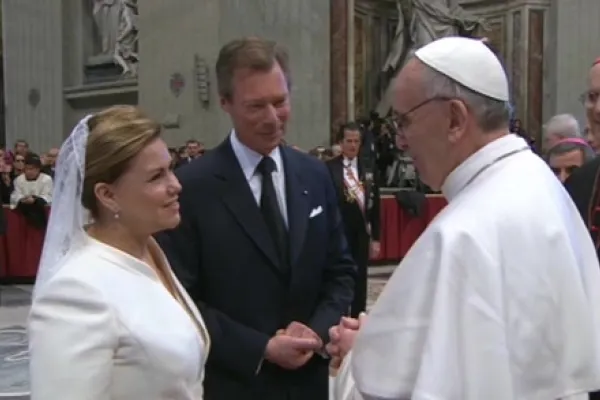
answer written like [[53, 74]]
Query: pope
[[499, 299]]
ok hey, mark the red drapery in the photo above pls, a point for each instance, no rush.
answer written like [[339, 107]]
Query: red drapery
[[399, 230], [21, 247]]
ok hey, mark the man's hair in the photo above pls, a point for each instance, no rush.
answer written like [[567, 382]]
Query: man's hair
[[569, 146], [490, 114], [562, 125], [33, 160], [251, 53], [348, 126]]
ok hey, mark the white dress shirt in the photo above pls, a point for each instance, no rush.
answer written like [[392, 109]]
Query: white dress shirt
[[249, 160]]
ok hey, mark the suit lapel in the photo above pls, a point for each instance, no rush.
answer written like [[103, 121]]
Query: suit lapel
[[298, 202], [240, 201], [338, 175]]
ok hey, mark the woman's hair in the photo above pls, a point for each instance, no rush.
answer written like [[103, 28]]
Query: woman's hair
[[117, 135]]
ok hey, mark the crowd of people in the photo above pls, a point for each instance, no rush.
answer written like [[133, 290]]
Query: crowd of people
[[240, 272]]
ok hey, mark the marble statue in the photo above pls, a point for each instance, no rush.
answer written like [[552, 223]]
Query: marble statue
[[126, 55], [117, 33], [421, 22], [106, 20]]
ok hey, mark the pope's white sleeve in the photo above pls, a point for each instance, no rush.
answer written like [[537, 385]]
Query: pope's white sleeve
[[72, 338], [344, 387]]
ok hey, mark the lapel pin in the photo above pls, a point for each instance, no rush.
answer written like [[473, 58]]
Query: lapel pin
[[305, 192]]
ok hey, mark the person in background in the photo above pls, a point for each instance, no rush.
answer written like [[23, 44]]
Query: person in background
[[566, 155], [194, 149], [584, 184], [559, 127], [182, 152], [589, 138], [21, 148], [32, 192], [6, 181], [174, 157], [18, 165], [50, 162], [358, 197], [336, 150]]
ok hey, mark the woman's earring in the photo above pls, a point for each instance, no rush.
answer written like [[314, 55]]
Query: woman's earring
[[117, 215]]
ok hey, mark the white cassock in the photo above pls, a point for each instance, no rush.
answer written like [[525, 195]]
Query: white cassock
[[41, 187], [499, 299]]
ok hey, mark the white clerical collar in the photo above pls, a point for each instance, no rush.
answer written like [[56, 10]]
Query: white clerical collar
[[465, 172], [249, 158]]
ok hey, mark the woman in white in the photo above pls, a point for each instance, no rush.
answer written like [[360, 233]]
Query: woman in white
[[109, 319]]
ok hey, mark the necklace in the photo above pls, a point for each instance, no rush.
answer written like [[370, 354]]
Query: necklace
[[491, 164]]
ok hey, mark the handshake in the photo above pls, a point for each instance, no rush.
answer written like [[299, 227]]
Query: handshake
[[292, 347], [341, 340]]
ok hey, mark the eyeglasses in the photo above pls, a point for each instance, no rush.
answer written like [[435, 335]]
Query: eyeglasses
[[589, 98], [401, 121]]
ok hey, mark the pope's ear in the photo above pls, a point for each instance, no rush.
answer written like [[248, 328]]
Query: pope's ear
[[459, 118]]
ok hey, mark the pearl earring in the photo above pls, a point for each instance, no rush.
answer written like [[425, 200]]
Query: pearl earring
[[117, 215]]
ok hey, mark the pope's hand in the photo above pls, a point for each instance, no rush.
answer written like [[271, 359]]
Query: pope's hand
[[341, 337]]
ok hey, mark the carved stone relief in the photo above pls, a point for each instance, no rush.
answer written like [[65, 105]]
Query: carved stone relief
[[115, 37]]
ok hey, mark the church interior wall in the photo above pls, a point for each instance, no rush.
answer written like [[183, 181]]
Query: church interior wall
[[575, 40], [181, 32], [33, 71], [303, 28]]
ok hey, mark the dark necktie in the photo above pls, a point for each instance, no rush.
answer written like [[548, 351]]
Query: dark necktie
[[269, 206]]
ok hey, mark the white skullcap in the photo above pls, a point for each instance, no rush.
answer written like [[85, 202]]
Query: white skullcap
[[469, 62]]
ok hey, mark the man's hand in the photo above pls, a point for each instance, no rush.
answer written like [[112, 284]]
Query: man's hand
[[298, 329], [375, 249], [27, 200], [290, 352]]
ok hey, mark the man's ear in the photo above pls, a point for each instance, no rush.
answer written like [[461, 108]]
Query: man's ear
[[225, 104], [459, 119]]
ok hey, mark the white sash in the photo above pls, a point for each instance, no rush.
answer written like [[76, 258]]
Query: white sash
[[354, 187]]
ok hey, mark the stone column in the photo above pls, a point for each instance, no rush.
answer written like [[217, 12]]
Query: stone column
[[339, 64]]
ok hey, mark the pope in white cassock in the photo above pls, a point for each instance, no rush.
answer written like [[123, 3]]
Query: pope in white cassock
[[499, 299]]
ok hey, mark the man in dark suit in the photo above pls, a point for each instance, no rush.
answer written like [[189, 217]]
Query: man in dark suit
[[261, 247], [358, 195]]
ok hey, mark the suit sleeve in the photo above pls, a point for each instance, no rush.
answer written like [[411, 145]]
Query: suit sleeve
[[234, 346], [375, 213], [72, 337], [580, 187], [339, 272]]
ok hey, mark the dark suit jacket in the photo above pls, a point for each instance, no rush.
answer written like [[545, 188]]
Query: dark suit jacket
[[583, 186], [353, 217], [225, 258]]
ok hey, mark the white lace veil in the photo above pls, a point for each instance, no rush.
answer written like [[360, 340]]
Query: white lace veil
[[65, 230]]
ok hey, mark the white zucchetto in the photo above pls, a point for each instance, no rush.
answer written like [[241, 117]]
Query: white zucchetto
[[469, 62]]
